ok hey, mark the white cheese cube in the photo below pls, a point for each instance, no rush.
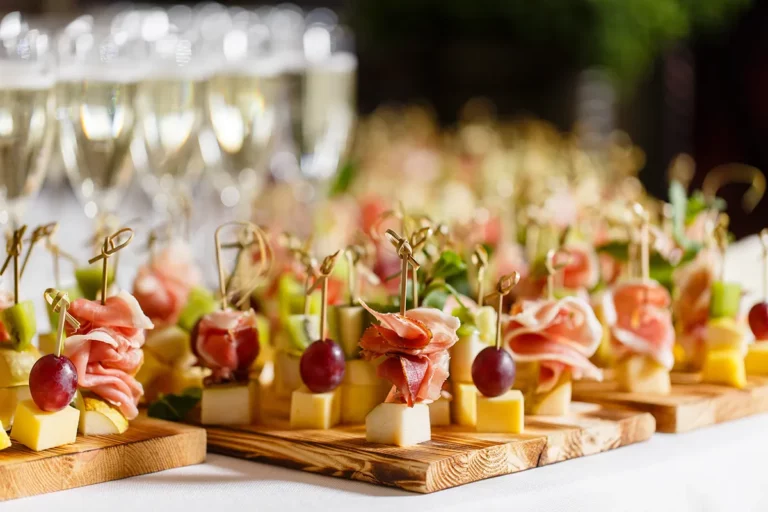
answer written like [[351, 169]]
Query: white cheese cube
[[398, 424]]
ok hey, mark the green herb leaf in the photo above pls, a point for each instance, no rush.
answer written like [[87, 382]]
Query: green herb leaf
[[448, 265], [344, 178], [175, 407], [435, 298]]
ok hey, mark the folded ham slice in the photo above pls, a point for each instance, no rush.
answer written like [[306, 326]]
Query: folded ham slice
[[583, 268], [690, 306], [227, 342], [106, 349], [416, 350], [641, 322], [162, 285], [558, 334]]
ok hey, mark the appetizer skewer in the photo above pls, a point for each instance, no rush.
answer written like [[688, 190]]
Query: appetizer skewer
[[757, 354]]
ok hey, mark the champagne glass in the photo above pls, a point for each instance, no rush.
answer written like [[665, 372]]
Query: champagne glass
[[99, 73], [26, 115]]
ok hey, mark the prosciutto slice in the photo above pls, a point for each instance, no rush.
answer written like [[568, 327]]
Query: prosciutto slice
[[416, 350], [162, 286], [558, 334], [641, 321], [227, 342], [106, 349], [690, 306], [583, 268]]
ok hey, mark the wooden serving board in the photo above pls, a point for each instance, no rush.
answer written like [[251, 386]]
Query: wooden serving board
[[147, 446], [691, 404], [455, 455]]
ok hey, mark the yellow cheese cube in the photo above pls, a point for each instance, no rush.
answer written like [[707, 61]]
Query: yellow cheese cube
[[464, 404], [47, 343], [358, 401], [15, 366], [287, 374], [604, 355], [756, 361], [361, 373], [440, 412], [5, 441], [724, 333], [641, 374], [39, 430], [501, 414], [726, 367], [9, 398], [463, 354], [226, 404], [315, 410], [151, 369], [398, 424], [555, 402]]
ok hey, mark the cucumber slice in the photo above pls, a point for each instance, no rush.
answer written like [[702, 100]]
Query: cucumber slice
[[726, 300], [89, 279], [199, 302], [290, 297], [350, 329], [302, 331], [19, 321], [485, 319]]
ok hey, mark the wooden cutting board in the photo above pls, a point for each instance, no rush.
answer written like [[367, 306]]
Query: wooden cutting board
[[455, 455], [689, 406], [147, 446]]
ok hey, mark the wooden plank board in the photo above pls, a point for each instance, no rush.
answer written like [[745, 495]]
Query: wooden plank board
[[691, 404], [147, 446], [455, 455]]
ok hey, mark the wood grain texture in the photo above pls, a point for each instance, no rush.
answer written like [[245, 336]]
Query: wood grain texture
[[455, 455], [691, 404], [147, 446]]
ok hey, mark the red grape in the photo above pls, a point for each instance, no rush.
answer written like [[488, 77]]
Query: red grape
[[322, 366], [53, 382], [758, 320], [493, 371]]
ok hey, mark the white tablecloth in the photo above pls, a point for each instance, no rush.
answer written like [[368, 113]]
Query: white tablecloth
[[721, 468]]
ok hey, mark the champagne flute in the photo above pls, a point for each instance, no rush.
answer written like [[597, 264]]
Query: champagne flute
[[26, 115]]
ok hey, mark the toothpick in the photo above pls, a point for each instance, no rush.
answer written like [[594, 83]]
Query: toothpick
[[325, 270], [38, 234], [644, 241], [503, 287], [405, 252], [480, 261], [14, 248], [265, 251], [764, 243], [418, 240], [552, 268], [109, 248], [721, 238]]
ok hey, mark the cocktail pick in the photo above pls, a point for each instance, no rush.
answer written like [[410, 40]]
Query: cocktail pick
[[110, 247], [721, 239], [39, 233], [480, 261], [321, 279], [13, 248], [405, 252], [503, 287], [248, 235], [418, 241], [59, 302], [56, 253], [764, 243], [726, 174], [642, 215], [552, 267]]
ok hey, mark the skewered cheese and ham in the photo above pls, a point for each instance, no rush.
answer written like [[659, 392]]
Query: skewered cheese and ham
[[416, 350], [693, 292], [558, 334], [162, 285], [640, 320], [227, 342], [106, 349]]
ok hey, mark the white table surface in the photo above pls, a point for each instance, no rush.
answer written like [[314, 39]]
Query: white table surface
[[721, 468]]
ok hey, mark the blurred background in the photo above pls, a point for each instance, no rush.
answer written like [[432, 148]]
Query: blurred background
[[166, 103]]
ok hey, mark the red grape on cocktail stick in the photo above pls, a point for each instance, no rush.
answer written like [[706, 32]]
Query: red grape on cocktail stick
[[758, 315], [322, 364], [493, 370], [53, 378]]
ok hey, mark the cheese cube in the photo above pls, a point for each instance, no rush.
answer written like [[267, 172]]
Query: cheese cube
[[463, 354], [726, 367], [47, 343], [756, 361], [226, 404], [9, 398], [287, 374], [440, 412], [39, 430], [555, 402], [503, 414], [641, 374], [315, 410], [361, 373], [464, 404], [603, 357], [5, 441], [398, 424], [725, 333], [358, 401]]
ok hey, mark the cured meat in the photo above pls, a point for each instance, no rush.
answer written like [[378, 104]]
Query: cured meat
[[583, 268], [6, 301], [641, 321], [416, 347], [690, 306], [162, 286], [106, 349], [558, 334], [227, 342]]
